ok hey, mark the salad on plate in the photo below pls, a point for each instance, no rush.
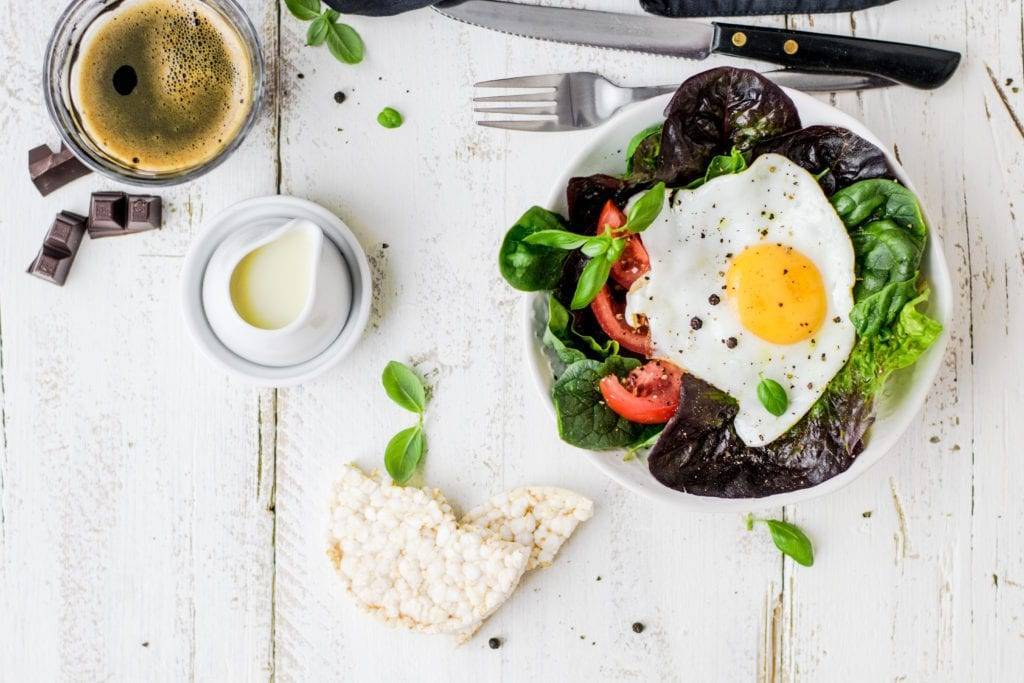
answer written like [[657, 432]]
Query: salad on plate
[[736, 299]]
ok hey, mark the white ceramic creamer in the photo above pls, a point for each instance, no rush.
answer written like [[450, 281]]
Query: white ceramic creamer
[[277, 296]]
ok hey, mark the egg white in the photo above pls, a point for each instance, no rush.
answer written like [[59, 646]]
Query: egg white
[[690, 247]]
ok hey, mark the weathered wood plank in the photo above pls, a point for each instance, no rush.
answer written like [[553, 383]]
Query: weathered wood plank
[[135, 540]]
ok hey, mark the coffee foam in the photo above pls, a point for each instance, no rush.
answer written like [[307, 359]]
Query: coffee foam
[[194, 90]]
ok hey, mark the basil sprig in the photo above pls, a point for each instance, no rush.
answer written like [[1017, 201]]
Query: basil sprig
[[405, 449], [342, 40], [788, 538], [605, 249], [772, 396]]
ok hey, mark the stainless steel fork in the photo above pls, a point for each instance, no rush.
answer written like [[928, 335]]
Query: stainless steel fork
[[579, 100]]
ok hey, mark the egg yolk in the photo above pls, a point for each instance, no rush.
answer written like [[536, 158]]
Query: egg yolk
[[778, 293]]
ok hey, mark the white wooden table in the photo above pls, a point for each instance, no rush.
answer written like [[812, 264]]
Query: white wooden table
[[159, 521]]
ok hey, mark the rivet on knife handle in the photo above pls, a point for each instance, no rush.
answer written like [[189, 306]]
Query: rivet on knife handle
[[915, 65]]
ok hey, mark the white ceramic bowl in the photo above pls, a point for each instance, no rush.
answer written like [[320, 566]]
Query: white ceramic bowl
[[903, 397], [274, 210]]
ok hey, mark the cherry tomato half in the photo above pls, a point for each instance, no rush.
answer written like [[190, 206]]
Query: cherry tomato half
[[649, 395]]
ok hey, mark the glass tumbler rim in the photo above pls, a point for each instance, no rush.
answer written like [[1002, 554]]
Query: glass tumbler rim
[[60, 115]]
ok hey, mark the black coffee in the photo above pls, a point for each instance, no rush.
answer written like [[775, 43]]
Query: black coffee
[[162, 85]]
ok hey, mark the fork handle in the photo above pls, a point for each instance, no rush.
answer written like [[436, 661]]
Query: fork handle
[[915, 65]]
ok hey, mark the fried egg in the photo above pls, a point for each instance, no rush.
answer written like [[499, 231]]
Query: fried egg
[[751, 278]]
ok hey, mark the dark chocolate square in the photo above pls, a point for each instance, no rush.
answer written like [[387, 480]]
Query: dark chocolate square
[[65, 235], [51, 266], [107, 212], [145, 212]]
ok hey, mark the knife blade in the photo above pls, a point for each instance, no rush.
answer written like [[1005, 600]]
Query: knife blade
[[915, 65]]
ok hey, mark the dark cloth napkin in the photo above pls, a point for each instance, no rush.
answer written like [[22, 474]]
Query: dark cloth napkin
[[669, 8]]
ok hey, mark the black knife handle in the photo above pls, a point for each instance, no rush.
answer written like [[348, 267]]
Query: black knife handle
[[914, 65]]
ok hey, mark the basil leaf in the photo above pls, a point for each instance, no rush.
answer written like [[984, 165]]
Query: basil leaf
[[403, 453], [532, 267], [307, 10], [584, 420], [592, 279], [559, 239], [772, 396], [596, 246], [389, 118], [317, 32], [642, 151], [404, 387], [616, 249], [646, 209], [791, 541], [721, 165], [344, 43]]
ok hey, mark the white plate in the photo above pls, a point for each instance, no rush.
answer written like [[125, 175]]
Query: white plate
[[276, 210], [904, 395]]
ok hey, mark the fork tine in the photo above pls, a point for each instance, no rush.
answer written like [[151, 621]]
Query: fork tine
[[548, 81], [547, 109], [546, 125], [525, 97]]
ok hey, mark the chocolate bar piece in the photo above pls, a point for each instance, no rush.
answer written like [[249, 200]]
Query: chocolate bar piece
[[108, 213], [51, 170], [114, 213], [60, 246], [145, 212]]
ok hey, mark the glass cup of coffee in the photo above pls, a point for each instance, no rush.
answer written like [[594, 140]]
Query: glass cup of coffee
[[153, 92]]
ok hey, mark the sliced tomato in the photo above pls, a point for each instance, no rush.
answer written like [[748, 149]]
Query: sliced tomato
[[610, 217], [633, 264], [634, 261], [610, 311], [649, 395]]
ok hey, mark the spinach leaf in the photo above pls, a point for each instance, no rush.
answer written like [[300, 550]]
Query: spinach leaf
[[888, 233], [876, 311], [878, 199], [583, 418], [836, 156], [735, 162], [642, 152], [648, 437], [568, 344], [532, 267], [886, 253]]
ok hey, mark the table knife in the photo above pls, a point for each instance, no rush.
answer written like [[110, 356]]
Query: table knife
[[914, 65]]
